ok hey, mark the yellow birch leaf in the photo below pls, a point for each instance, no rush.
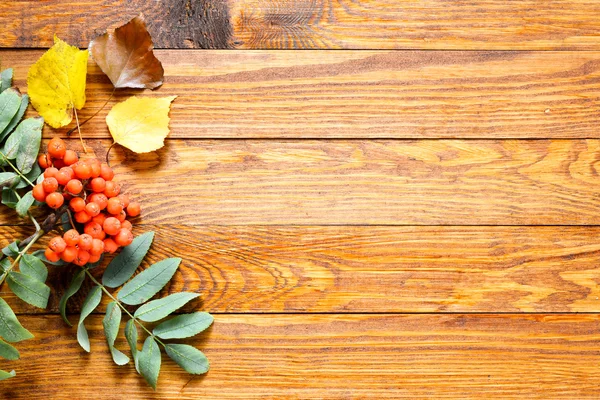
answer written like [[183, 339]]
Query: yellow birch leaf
[[140, 123], [56, 83]]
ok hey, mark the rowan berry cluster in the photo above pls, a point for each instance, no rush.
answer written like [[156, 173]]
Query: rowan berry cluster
[[93, 198]]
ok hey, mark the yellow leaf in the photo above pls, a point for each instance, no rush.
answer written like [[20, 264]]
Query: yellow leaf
[[56, 83], [140, 123]]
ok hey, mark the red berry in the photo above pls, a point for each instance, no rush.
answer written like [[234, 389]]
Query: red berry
[[92, 209], [114, 206], [62, 178], [77, 204], [83, 171], [82, 258], [69, 254], [111, 226], [126, 225], [122, 216], [124, 237], [94, 258], [55, 200], [51, 255], [82, 217], [98, 185], [69, 171], [70, 157], [112, 189], [95, 167], [44, 161], [57, 148], [95, 230], [50, 172], [71, 237], [97, 247], [57, 244], [74, 186], [133, 210], [58, 163], [100, 218], [100, 199], [50, 185], [110, 246], [85, 242], [106, 172], [124, 199], [38, 193]]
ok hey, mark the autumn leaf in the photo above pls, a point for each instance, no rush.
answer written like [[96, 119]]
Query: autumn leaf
[[125, 56], [140, 123], [56, 83]]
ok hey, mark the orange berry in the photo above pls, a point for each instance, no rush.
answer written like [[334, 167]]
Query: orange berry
[[69, 254], [123, 238], [74, 186], [51, 255], [83, 171], [106, 172], [70, 157], [122, 216], [69, 171], [50, 172], [92, 209], [111, 226], [57, 148], [71, 237], [98, 185], [112, 189], [110, 246], [77, 204], [100, 199], [94, 258], [124, 199], [97, 247], [50, 185], [44, 161], [82, 258], [126, 225], [58, 163], [85, 242], [57, 244], [95, 230], [114, 206], [55, 200], [95, 166], [82, 217], [100, 218], [38, 193], [62, 178], [133, 210]]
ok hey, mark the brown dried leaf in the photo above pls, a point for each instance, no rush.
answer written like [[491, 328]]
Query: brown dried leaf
[[125, 55]]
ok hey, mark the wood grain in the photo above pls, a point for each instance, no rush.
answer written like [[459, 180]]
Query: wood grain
[[333, 357], [314, 24], [351, 269], [362, 94], [361, 182]]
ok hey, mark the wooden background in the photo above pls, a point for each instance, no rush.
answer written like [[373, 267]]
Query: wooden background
[[365, 215]]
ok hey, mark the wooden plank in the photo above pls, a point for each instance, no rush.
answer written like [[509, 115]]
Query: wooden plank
[[362, 94], [361, 182], [305, 24], [332, 356], [367, 269]]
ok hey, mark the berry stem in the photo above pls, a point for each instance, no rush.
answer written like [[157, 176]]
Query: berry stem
[[16, 169], [79, 130], [113, 298], [96, 113]]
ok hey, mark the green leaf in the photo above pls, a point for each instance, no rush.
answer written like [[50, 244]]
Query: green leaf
[[111, 322], [4, 264], [129, 259], [30, 146], [28, 289], [148, 282], [10, 101], [9, 197], [6, 79], [149, 361], [131, 334], [187, 357], [8, 179], [24, 204], [5, 375], [16, 119], [160, 308], [89, 305], [12, 250], [8, 352], [10, 328], [73, 288], [40, 254], [183, 326], [13, 144], [34, 267], [32, 176]]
